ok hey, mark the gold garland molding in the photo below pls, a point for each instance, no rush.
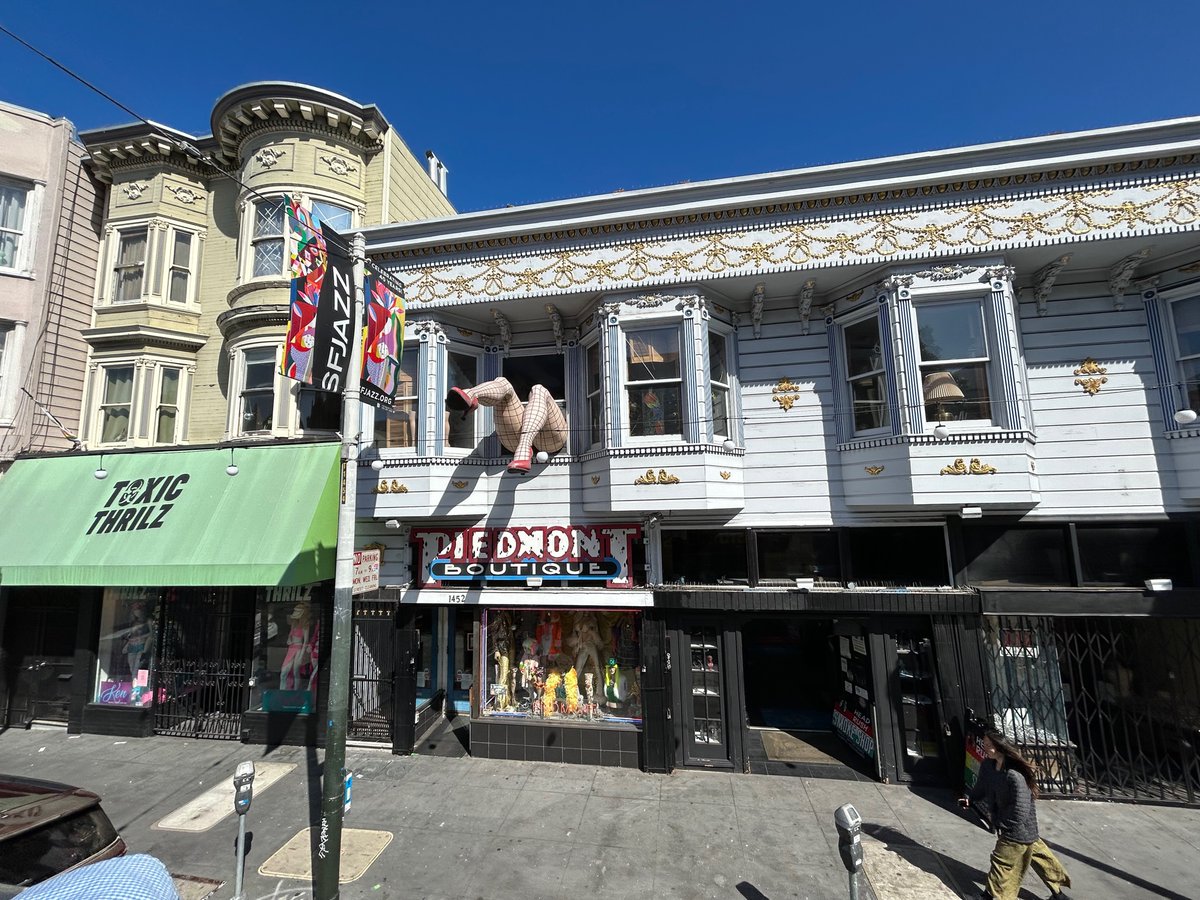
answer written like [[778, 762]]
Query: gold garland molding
[[1093, 374], [971, 225]]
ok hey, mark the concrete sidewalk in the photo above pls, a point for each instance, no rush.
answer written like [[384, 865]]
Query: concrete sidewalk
[[494, 829]]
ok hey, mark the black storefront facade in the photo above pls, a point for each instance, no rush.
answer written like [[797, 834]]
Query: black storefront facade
[[180, 592]]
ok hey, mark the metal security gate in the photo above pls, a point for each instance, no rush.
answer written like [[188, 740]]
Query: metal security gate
[[1108, 708], [201, 679], [372, 668]]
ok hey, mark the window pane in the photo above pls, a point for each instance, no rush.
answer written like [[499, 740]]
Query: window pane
[[464, 373], [118, 384], [169, 392], [898, 557], [654, 410], [798, 554], [397, 427], [287, 650], [12, 207], [320, 410], [1190, 371], [330, 213], [133, 248], [653, 354], [165, 431], [268, 218], [1186, 315], [863, 354], [705, 557], [720, 410], [1002, 554], [125, 655], [717, 363], [182, 255], [260, 368], [258, 395], [1129, 555], [956, 392], [593, 368], [951, 331], [256, 411], [546, 369], [116, 424], [268, 258], [870, 403], [178, 291]]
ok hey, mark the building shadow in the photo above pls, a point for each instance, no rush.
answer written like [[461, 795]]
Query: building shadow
[[1148, 886], [964, 880]]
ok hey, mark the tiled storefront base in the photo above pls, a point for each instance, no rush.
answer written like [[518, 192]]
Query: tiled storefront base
[[525, 739]]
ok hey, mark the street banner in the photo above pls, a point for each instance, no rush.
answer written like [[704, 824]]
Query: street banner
[[383, 338], [334, 326], [307, 268]]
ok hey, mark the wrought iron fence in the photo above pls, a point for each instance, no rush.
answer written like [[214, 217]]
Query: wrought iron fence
[[1108, 708], [201, 698], [372, 667]]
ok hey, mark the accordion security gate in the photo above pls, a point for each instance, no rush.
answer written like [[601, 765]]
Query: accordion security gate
[[1107, 708], [372, 668]]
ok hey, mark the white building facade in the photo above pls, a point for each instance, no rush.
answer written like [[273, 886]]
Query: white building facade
[[868, 449]]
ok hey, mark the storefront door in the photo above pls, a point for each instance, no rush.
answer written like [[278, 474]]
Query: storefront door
[[39, 652], [704, 716], [918, 737], [372, 671], [460, 660]]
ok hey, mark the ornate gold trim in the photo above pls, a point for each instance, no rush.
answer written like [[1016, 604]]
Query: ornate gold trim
[[981, 468], [958, 467], [873, 470], [459, 484], [1091, 385], [785, 394], [725, 474], [395, 487], [661, 478], [595, 479]]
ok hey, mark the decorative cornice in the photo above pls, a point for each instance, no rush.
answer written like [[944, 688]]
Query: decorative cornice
[[945, 273], [109, 336], [261, 284], [1063, 214], [234, 320]]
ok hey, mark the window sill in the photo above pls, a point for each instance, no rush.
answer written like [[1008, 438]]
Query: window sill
[[146, 304], [956, 436], [19, 273]]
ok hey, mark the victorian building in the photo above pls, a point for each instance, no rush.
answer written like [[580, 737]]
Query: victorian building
[[857, 455], [191, 546]]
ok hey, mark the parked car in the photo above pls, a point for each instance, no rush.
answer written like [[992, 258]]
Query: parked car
[[47, 828]]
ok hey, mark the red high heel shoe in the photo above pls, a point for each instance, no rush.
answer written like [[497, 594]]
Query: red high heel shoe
[[460, 399], [520, 466]]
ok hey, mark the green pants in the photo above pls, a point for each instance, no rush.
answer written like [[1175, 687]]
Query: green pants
[[1010, 862]]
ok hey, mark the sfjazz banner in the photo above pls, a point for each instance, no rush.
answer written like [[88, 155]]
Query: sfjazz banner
[[317, 350], [383, 338], [554, 553]]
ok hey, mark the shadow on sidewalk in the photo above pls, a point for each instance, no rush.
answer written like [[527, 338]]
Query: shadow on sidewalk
[[964, 880], [1091, 862]]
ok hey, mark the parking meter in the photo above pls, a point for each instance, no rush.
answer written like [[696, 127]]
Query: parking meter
[[243, 793], [849, 828], [243, 788]]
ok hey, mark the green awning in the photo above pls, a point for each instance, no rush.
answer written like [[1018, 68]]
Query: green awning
[[172, 518]]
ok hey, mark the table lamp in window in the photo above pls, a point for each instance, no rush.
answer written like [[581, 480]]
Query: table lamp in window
[[940, 390]]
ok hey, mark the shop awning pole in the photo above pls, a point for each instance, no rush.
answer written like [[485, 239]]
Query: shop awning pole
[[328, 864]]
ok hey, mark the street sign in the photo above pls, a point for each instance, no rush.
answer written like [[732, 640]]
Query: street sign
[[349, 791], [366, 570]]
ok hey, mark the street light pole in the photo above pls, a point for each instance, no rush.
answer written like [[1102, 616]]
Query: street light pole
[[327, 866]]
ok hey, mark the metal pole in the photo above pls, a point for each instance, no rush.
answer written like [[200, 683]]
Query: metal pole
[[241, 860], [853, 886], [327, 865]]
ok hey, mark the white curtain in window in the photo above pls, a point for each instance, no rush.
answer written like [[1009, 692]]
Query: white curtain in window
[[131, 260], [12, 219], [118, 391]]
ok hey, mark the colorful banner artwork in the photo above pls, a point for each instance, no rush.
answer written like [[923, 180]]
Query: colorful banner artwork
[[383, 339], [334, 326], [307, 269]]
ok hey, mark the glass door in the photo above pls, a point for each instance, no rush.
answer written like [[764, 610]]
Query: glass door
[[920, 721], [460, 666], [706, 738]]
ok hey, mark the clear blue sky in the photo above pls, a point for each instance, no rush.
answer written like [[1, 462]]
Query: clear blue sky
[[526, 102]]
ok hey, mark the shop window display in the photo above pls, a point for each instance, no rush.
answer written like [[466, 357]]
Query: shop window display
[[287, 642], [574, 665], [128, 636]]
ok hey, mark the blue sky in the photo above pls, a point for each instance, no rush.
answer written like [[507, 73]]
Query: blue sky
[[532, 102]]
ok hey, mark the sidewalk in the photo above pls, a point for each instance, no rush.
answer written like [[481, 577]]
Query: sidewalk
[[496, 830]]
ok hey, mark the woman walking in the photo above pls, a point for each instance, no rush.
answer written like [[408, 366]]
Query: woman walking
[[1007, 789]]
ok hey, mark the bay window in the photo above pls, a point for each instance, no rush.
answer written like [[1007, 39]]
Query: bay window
[[180, 272], [865, 375], [462, 372], [13, 229], [953, 360], [653, 382], [719, 383], [257, 398], [595, 395], [397, 427], [115, 403], [267, 240], [130, 268]]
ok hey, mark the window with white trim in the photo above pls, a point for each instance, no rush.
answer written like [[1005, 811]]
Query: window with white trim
[[399, 426], [653, 381], [953, 360], [1185, 323], [14, 202], [865, 377], [6, 342], [179, 274], [166, 413], [270, 241], [129, 268], [318, 410], [594, 387], [256, 400], [462, 371], [720, 381], [116, 403]]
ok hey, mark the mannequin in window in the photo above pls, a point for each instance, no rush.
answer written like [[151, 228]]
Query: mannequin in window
[[522, 428], [299, 662], [137, 639]]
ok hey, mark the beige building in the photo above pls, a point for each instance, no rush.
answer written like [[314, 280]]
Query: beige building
[[50, 211], [192, 297]]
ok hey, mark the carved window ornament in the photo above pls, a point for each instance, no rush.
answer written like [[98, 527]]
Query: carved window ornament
[[1092, 375], [1044, 280], [269, 156], [339, 166], [805, 302], [556, 325], [505, 330], [183, 194], [661, 478], [1121, 274], [134, 190], [785, 394], [873, 470], [725, 474], [393, 487], [756, 307]]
